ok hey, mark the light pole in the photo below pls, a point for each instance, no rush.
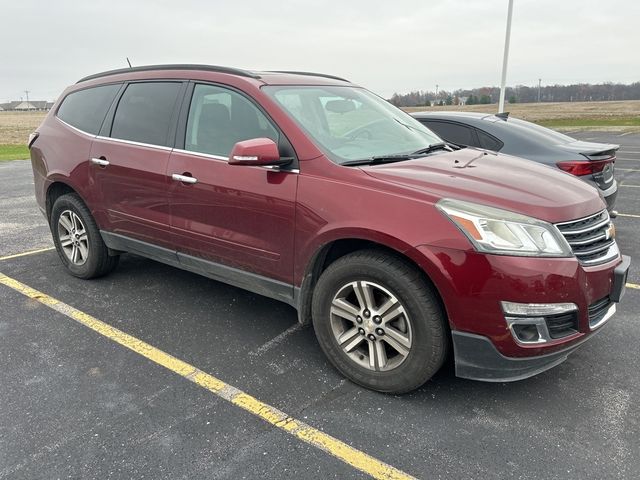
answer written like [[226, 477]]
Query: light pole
[[505, 58], [539, 83], [436, 103]]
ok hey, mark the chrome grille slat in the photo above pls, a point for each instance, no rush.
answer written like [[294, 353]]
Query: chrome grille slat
[[588, 229], [594, 250], [588, 238]]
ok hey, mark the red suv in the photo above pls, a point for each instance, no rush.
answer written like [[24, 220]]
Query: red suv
[[316, 192]]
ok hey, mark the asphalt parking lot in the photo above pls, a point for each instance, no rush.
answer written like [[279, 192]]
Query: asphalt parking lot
[[74, 403]]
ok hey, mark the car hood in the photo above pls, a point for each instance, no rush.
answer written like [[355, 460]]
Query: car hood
[[498, 180]]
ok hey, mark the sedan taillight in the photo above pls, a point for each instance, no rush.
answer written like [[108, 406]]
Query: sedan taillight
[[584, 167]]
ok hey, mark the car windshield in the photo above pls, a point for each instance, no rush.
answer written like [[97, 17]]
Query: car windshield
[[351, 123]]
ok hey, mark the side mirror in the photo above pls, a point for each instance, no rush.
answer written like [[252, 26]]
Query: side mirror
[[257, 151]]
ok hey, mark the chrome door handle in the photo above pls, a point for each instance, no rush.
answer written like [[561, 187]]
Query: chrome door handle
[[183, 178], [99, 161]]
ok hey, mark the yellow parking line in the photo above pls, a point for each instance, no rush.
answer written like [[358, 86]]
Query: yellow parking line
[[628, 215], [351, 456], [30, 252], [633, 285]]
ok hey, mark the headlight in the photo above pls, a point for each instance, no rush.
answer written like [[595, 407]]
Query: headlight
[[498, 231]]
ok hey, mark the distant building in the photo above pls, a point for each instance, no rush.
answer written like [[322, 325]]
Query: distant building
[[31, 105]]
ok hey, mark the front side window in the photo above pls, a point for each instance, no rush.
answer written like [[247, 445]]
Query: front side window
[[86, 109], [351, 123], [219, 118], [144, 112]]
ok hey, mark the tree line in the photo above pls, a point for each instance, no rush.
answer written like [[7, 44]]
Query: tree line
[[580, 92]]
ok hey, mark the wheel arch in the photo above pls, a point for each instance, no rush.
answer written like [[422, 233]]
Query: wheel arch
[[332, 250], [54, 191]]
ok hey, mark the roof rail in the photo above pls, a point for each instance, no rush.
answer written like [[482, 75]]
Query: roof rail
[[310, 74], [209, 68]]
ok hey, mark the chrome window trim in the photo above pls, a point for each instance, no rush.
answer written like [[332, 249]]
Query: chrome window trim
[[132, 142], [201, 154], [90, 135]]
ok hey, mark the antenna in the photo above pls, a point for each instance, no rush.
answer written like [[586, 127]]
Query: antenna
[[129, 62]]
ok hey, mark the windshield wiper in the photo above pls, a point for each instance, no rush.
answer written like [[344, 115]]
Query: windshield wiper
[[432, 148], [380, 159], [376, 160]]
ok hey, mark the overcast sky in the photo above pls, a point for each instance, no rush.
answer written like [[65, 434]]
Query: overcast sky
[[388, 46]]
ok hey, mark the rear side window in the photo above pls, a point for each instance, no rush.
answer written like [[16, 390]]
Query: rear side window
[[488, 142], [86, 109], [219, 118], [144, 112], [454, 133]]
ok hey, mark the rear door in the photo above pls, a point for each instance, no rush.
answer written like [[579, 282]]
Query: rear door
[[237, 216], [129, 162]]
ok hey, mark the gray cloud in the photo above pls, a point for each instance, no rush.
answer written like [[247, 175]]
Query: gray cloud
[[385, 46]]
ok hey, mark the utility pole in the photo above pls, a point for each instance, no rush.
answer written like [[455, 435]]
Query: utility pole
[[436, 100], [27, 94], [505, 58], [539, 83]]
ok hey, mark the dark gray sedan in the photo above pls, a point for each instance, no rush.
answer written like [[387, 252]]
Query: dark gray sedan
[[592, 162]]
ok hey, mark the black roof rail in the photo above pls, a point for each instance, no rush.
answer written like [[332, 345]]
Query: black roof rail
[[146, 68], [310, 74]]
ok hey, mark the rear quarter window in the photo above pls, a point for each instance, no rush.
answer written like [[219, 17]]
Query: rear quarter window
[[86, 109], [453, 132], [489, 142]]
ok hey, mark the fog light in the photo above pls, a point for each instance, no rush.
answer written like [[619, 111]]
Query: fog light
[[528, 321], [526, 333]]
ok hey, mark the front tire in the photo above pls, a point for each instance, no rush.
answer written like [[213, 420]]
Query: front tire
[[78, 240], [379, 321]]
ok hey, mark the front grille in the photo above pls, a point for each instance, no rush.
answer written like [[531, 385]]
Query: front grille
[[597, 310], [562, 325], [589, 238]]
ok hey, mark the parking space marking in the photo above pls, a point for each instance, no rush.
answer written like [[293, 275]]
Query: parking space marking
[[337, 448], [30, 252], [628, 215], [633, 285], [276, 340], [628, 169], [630, 186]]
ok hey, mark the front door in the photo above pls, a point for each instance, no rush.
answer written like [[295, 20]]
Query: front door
[[236, 216]]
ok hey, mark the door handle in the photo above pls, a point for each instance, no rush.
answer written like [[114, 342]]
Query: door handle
[[100, 162], [184, 178]]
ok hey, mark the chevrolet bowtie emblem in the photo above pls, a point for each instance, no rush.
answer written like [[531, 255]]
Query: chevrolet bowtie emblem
[[610, 232]]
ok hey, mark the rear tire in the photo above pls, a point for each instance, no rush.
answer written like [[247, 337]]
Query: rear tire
[[78, 240], [379, 321]]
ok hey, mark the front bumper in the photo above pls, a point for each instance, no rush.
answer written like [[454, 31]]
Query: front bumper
[[476, 358], [473, 285]]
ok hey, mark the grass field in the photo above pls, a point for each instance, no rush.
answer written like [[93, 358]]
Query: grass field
[[623, 116], [15, 127], [14, 152]]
